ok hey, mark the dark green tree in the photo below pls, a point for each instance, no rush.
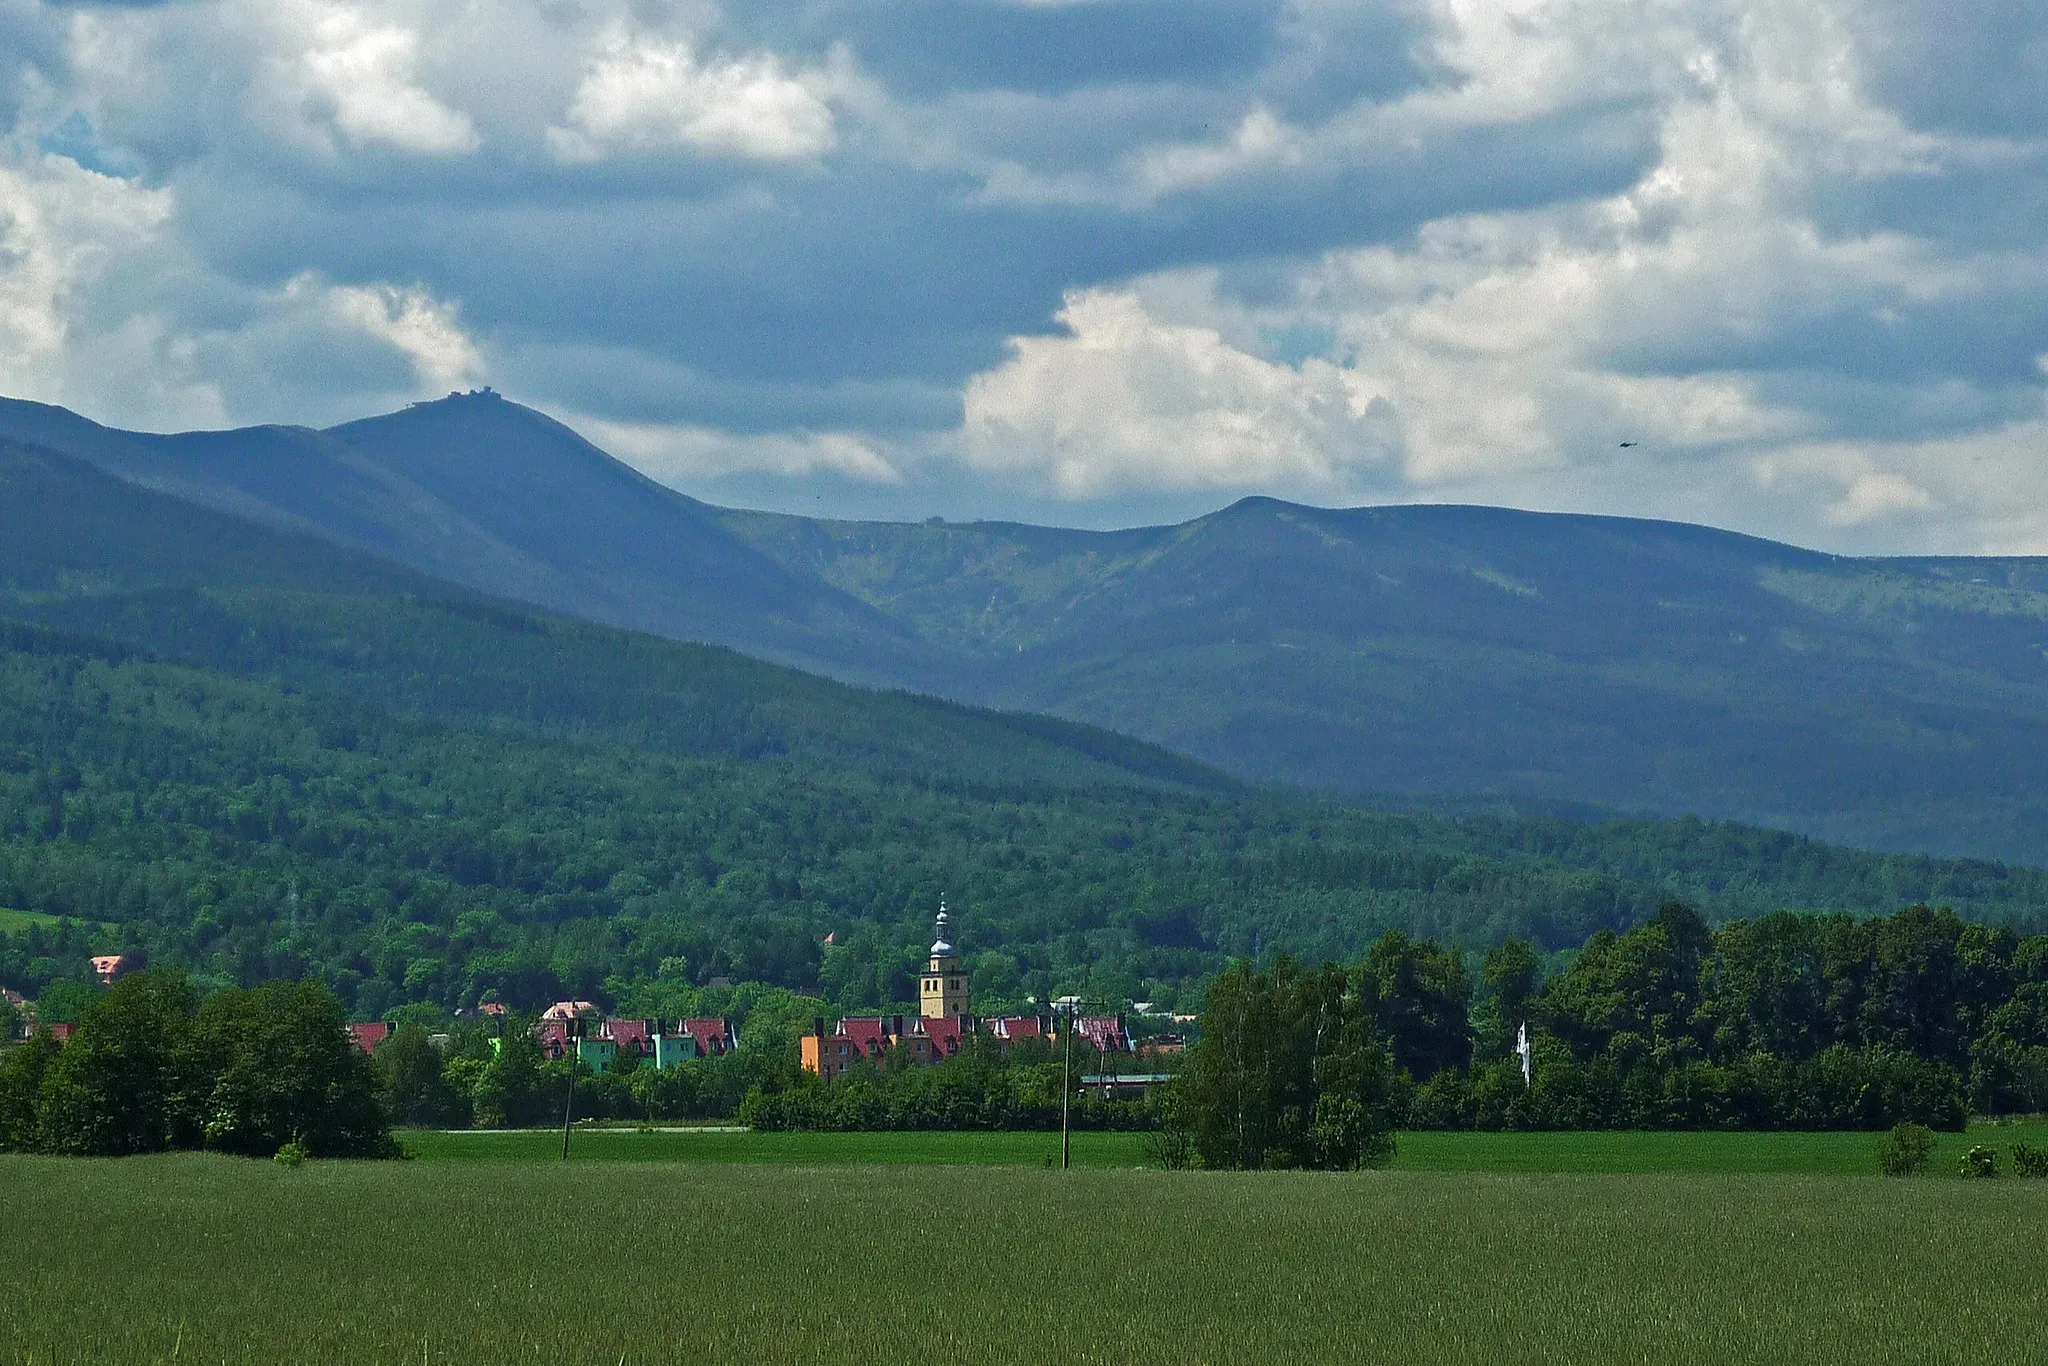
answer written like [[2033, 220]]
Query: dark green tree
[[1511, 974], [1420, 995], [285, 1070], [1291, 1071], [410, 1077], [130, 1080], [22, 1070]]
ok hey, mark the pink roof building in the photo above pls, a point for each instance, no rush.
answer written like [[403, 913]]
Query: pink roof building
[[715, 1037], [1016, 1028], [1107, 1033], [631, 1036], [369, 1033]]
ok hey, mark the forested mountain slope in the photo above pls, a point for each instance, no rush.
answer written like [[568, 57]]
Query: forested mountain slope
[[497, 497], [1450, 650], [1425, 652], [257, 755]]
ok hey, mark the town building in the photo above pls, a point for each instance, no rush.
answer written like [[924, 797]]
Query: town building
[[599, 1042], [945, 1020], [369, 1033], [24, 1012], [108, 966], [942, 995]]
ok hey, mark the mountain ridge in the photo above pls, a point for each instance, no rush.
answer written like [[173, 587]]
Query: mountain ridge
[[1433, 652]]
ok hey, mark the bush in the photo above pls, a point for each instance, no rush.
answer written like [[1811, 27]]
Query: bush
[[1980, 1163], [1905, 1150], [2029, 1161], [1171, 1147], [290, 1155]]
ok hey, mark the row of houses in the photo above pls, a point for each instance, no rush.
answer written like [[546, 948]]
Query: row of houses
[[944, 1020], [596, 1040], [928, 1039]]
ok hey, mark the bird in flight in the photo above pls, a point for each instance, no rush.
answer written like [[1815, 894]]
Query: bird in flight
[[1626, 444]]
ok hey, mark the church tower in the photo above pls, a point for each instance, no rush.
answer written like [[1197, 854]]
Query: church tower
[[944, 991]]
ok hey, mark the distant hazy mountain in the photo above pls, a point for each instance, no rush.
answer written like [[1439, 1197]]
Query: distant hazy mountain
[[1647, 665], [1426, 651], [106, 563], [500, 498]]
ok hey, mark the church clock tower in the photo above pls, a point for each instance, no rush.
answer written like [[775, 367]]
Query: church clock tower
[[944, 991]]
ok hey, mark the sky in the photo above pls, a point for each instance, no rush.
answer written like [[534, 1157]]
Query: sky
[[1092, 262]]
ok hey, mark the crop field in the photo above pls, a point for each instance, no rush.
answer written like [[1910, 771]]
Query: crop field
[[208, 1259], [1844, 1154]]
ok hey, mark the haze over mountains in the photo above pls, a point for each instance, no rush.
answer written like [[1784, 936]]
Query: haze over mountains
[[1419, 651]]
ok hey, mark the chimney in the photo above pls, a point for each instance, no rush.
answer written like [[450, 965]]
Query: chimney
[[818, 1026]]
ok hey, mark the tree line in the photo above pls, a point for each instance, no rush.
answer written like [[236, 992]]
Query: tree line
[[1788, 1021], [153, 1067]]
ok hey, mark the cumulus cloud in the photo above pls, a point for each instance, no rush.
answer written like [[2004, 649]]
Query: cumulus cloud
[[61, 228], [424, 330], [642, 93], [361, 74], [1127, 400], [681, 452], [1036, 261], [1493, 352]]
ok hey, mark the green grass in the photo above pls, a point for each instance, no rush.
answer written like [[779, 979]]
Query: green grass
[[13, 922], [751, 1149], [208, 1259], [1845, 1154]]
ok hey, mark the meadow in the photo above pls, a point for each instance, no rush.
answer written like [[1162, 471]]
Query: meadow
[[204, 1259], [1818, 1154], [13, 921]]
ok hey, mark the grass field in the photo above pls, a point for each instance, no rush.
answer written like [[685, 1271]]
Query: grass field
[[12, 921], [1589, 1153], [206, 1259]]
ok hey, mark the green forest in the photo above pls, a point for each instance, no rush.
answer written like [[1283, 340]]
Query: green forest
[[258, 757], [252, 830]]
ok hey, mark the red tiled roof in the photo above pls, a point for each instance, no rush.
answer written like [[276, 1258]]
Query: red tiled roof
[[1017, 1027], [870, 1035], [630, 1033], [944, 1032], [553, 1036], [369, 1033], [713, 1036], [1105, 1032], [567, 1010]]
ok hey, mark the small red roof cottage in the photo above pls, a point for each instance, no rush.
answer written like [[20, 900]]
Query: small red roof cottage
[[369, 1033]]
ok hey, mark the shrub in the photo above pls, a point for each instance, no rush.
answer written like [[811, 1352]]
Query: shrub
[[1172, 1147], [292, 1154], [1905, 1150], [1980, 1163], [2029, 1161]]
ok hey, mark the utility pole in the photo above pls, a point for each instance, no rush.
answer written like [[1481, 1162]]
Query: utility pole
[[1068, 1004], [570, 1030]]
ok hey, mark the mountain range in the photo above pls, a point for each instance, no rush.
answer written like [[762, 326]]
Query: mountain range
[[1419, 653], [253, 753]]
